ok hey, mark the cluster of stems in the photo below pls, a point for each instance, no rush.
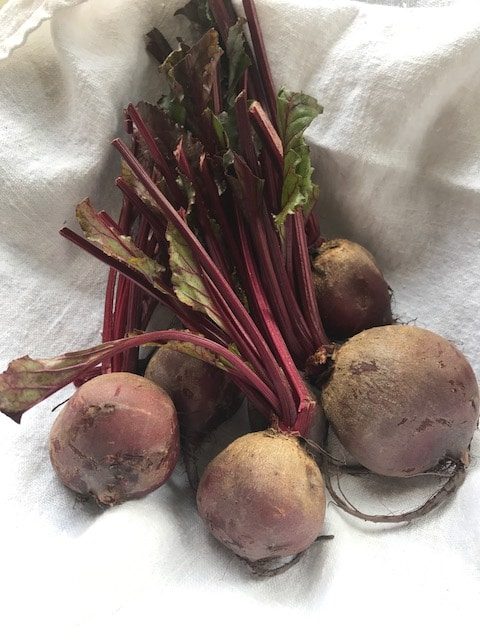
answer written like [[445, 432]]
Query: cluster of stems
[[266, 321]]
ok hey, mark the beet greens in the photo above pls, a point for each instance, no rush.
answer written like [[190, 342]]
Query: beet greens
[[217, 200]]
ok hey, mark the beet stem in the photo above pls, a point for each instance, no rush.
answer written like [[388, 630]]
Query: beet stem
[[305, 281], [267, 132], [276, 338], [155, 153], [208, 265], [261, 56]]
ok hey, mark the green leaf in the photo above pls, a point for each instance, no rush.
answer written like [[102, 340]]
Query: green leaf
[[295, 112], [174, 108], [223, 142], [99, 232], [292, 195], [228, 121], [238, 59], [186, 276]]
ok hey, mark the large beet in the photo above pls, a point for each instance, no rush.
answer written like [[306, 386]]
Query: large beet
[[401, 399], [115, 439], [351, 292], [263, 496]]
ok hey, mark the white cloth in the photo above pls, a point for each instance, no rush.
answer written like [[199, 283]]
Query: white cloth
[[397, 153]]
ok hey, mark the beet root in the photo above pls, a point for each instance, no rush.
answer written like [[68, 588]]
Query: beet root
[[351, 292], [263, 496], [115, 439], [401, 400], [203, 395]]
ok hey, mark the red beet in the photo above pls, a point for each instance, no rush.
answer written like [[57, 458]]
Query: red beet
[[263, 496], [351, 292], [401, 399], [203, 395], [116, 439]]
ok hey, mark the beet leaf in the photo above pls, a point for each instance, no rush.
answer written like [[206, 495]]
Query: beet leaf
[[108, 238], [295, 112], [27, 382]]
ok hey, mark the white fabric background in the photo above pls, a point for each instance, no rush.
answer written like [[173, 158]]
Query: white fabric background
[[397, 155]]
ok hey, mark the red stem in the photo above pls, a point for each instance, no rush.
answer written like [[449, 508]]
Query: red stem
[[288, 251], [107, 332], [314, 237], [276, 338], [272, 181], [221, 17], [245, 346], [284, 283], [267, 132], [261, 56], [122, 295], [288, 316], [207, 264], [156, 154], [218, 209], [217, 92], [211, 241], [134, 303], [245, 133], [305, 281]]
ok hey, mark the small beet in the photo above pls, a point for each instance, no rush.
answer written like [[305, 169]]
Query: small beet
[[401, 400], [351, 292], [263, 496], [202, 394], [115, 439]]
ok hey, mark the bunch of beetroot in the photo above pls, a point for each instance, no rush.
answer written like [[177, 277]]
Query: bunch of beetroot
[[217, 226]]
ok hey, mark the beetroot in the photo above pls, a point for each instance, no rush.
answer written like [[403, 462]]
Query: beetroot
[[116, 439], [263, 496], [401, 399], [202, 394], [351, 291]]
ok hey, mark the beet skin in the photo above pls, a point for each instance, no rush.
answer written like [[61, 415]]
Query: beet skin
[[203, 394], [115, 439], [263, 496], [401, 399], [351, 292]]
